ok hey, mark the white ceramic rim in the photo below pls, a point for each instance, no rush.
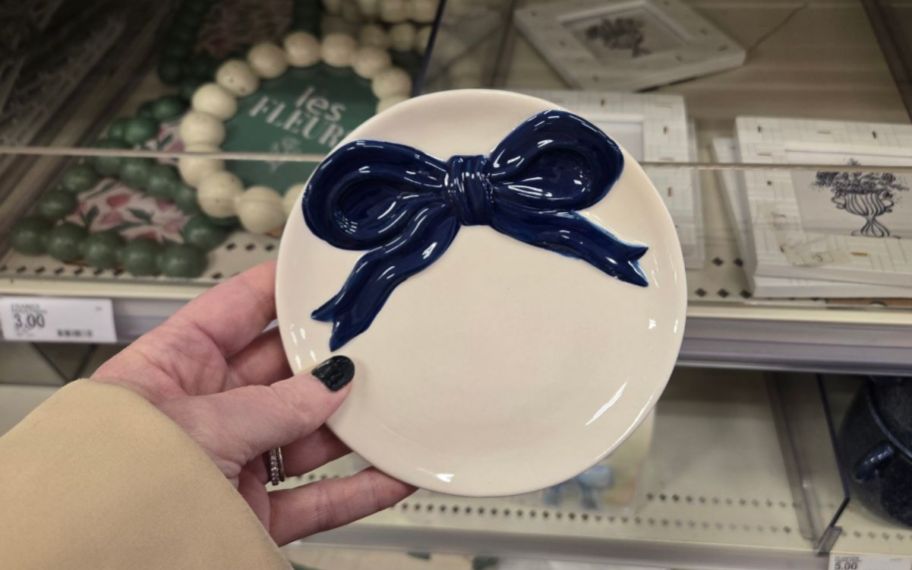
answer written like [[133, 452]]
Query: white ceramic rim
[[666, 361]]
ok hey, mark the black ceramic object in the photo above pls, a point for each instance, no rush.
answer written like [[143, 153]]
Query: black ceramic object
[[876, 443]]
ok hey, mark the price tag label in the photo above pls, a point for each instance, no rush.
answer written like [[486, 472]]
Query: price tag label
[[55, 319], [868, 562]]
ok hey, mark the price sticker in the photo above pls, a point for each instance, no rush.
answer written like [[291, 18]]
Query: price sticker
[[55, 319], [868, 562]]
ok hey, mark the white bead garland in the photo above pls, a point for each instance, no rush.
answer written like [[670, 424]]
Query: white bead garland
[[337, 50], [351, 13], [402, 36], [388, 102], [302, 49], [267, 60], [392, 81], [201, 128], [373, 35], [290, 199], [194, 168], [217, 192], [394, 11], [332, 6], [237, 77], [369, 8], [369, 61], [422, 11], [336, 25], [260, 209], [214, 100]]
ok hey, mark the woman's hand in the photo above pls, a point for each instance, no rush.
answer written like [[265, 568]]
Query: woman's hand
[[213, 371]]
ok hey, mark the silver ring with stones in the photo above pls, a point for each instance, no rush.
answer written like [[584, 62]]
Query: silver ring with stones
[[275, 465]]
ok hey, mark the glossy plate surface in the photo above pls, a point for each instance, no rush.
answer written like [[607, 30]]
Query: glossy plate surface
[[502, 368]]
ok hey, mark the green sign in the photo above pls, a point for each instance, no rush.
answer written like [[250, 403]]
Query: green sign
[[305, 110]]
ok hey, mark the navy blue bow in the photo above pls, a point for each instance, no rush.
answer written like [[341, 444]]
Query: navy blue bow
[[406, 207]]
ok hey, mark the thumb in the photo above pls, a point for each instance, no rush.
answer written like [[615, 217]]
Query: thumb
[[236, 426]]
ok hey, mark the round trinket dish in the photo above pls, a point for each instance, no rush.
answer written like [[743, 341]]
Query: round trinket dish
[[506, 279]]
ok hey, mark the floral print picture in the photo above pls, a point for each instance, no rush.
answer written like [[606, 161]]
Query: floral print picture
[[869, 204], [113, 205], [624, 35]]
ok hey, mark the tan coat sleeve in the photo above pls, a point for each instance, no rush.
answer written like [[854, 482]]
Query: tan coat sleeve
[[96, 477]]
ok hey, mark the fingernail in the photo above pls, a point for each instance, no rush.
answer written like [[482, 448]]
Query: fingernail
[[335, 373]]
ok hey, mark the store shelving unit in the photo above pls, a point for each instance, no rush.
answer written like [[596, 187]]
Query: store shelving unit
[[726, 327], [716, 493], [719, 490], [723, 328]]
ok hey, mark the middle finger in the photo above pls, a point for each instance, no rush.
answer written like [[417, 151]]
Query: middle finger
[[261, 362]]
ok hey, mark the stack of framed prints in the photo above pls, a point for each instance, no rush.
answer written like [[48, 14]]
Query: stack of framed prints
[[821, 232], [626, 45], [651, 128]]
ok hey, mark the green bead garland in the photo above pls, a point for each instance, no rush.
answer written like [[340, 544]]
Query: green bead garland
[[168, 107], [182, 260], [29, 235], [185, 198], [79, 178], [140, 257], [144, 111], [141, 128], [102, 250], [135, 171], [69, 242], [162, 182], [64, 241], [201, 232], [178, 66], [169, 71], [56, 205], [109, 165], [116, 130], [188, 87]]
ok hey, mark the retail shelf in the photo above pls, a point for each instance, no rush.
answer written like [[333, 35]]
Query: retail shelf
[[715, 494], [725, 326]]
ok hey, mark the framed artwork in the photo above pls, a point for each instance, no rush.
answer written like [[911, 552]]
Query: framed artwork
[[626, 45], [725, 149], [651, 128], [835, 225]]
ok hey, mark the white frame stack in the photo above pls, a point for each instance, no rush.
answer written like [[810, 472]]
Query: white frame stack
[[702, 49]]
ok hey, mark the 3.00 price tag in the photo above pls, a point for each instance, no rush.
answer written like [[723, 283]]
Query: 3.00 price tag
[[868, 562], [55, 319]]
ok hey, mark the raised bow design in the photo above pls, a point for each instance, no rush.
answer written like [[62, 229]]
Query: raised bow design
[[405, 207]]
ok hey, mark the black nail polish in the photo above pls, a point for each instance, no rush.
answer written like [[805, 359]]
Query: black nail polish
[[335, 373]]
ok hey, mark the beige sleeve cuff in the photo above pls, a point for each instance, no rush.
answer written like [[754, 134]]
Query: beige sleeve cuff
[[96, 477]]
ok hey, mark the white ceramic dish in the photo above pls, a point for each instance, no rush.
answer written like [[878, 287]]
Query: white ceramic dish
[[502, 368]]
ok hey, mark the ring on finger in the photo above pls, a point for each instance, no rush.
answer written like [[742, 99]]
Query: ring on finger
[[275, 465]]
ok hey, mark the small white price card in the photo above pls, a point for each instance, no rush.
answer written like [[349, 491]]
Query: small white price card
[[869, 562], [55, 319]]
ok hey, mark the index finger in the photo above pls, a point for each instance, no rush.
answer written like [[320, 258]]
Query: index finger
[[232, 314]]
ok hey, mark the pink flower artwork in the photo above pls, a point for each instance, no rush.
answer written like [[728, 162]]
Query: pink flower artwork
[[117, 200], [110, 219]]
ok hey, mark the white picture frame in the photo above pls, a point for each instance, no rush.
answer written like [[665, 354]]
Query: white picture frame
[[786, 237], [725, 150], [651, 128], [626, 45]]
